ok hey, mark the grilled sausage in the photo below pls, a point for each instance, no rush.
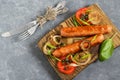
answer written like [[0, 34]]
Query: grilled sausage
[[75, 47], [85, 30]]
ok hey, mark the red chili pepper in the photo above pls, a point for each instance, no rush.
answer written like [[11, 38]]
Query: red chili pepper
[[65, 68], [79, 13]]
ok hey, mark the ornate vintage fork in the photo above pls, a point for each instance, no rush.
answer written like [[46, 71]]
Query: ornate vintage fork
[[31, 27], [26, 34], [50, 14]]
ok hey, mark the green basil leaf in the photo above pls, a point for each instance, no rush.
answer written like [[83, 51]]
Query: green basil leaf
[[106, 50]]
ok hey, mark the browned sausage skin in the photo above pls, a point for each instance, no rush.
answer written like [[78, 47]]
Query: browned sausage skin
[[75, 47], [85, 30]]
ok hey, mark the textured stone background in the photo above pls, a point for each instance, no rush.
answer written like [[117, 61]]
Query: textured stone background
[[24, 61]]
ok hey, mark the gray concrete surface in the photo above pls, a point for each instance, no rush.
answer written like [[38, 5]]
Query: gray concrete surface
[[24, 61]]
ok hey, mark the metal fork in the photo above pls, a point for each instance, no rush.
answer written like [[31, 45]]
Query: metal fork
[[30, 28], [26, 34]]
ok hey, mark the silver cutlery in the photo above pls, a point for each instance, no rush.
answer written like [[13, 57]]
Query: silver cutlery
[[26, 34], [19, 29], [30, 28]]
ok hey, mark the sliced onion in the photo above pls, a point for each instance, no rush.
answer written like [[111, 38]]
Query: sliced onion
[[86, 62], [78, 63], [95, 17], [45, 50], [73, 64], [84, 46], [55, 39]]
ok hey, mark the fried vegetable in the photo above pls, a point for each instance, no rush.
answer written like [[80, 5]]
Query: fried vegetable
[[94, 17], [64, 66], [79, 17], [55, 40], [82, 58], [83, 45], [48, 48]]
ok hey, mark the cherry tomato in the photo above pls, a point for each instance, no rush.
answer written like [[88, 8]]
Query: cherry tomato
[[64, 67], [78, 15]]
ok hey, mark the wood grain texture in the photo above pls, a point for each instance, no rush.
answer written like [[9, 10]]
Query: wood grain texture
[[94, 50]]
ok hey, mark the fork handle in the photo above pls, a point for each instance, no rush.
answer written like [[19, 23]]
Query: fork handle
[[20, 29]]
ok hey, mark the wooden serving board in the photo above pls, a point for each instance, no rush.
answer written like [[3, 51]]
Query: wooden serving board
[[94, 50]]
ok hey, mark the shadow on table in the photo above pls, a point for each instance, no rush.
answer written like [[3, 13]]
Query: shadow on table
[[40, 56]]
